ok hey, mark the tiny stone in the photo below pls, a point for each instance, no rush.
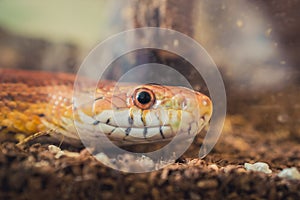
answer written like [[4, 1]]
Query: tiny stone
[[214, 167], [259, 167], [207, 184], [229, 168], [240, 170], [42, 163], [175, 43], [290, 173], [59, 154], [54, 149], [145, 162]]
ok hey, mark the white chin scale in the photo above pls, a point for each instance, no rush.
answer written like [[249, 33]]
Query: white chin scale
[[154, 126]]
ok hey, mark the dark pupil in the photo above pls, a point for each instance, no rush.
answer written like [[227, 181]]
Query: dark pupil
[[144, 97]]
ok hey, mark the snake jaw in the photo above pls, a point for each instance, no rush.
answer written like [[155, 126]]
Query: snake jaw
[[175, 111]]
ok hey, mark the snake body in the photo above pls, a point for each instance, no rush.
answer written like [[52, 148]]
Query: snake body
[[32, 101]]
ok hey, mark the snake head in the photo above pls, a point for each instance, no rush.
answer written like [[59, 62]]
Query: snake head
[[147, 113], [182, 109]]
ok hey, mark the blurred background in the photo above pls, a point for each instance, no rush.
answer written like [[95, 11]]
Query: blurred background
[[255, 44]]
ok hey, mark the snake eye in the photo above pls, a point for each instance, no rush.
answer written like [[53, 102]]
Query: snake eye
[[143, 98]]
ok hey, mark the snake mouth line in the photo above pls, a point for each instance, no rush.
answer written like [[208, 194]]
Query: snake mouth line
[[97, 122], [110, 127], [95, 126], [134, 133]]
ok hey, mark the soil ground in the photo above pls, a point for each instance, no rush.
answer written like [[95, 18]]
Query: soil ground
[[33, 172]]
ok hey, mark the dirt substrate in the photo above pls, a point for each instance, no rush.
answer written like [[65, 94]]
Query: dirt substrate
[[33, 172]]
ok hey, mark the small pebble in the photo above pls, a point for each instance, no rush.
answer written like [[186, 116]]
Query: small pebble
[[42, 164], [54, 149], [59, 153], [207, 184], [228, 168], [213, 167], [259, 167], [145, 162], [290, 173]]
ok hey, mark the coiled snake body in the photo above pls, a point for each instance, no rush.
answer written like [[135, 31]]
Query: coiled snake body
[[32, 102]]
